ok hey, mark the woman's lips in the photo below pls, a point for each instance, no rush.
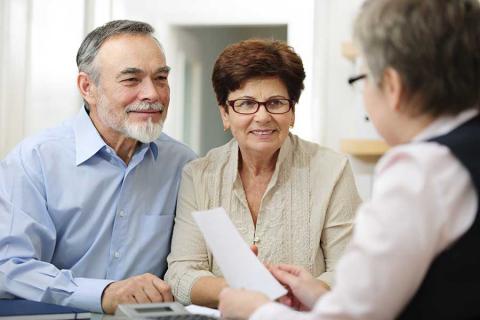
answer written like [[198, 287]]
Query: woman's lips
[[263, 132]]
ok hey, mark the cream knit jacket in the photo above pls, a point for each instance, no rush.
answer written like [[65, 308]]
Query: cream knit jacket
[[305, 217]]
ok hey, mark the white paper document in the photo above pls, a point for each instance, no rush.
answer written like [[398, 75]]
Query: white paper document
[[193, 308], [238, 263]]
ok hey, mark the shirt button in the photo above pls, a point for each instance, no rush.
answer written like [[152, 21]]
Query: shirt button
[[122, 213], [116, 254], [256, 240], [108, 150]]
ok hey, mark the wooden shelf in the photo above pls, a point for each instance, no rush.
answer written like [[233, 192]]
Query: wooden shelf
[[349, 51], [364, 148]]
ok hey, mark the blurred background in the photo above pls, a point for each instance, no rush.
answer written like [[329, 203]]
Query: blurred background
[[39, 40]]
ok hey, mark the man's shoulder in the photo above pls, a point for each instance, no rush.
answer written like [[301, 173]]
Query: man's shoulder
[[47, 142], [28, 159], [167, 144], [215, 159]]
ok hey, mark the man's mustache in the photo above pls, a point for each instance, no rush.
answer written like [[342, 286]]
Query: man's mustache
[[145, 106]]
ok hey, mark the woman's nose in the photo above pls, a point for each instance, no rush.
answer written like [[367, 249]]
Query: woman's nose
[[262, 114]]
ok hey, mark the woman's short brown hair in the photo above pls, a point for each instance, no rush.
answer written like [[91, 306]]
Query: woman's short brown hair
[[257, 58]]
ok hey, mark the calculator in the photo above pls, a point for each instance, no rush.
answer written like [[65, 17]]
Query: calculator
[[160, 311]]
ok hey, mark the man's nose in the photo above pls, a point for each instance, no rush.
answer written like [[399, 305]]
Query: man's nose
[[149, 92]]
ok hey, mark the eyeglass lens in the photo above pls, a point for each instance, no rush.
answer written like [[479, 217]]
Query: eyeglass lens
[[249, 106]]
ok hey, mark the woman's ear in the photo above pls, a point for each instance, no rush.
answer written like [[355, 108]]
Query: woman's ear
[[393, 89], [225, 117], [87, 88]]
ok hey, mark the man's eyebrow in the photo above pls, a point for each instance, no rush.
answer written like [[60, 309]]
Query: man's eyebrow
[[129, 71], [165, 69]]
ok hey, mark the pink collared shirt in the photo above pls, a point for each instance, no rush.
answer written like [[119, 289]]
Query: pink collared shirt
[[423, 200]]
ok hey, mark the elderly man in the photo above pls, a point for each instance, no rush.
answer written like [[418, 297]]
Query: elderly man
[[92, 201]]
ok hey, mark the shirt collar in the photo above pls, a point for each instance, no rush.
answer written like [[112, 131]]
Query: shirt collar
[[87, 139], [154, 149], [284, 154], [445, 124]]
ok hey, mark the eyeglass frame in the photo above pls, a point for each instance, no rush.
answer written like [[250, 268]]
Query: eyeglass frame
[[356, 78], [291, 103], [353, 79]]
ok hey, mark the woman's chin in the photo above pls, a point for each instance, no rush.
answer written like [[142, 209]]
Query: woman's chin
[[263, 148]]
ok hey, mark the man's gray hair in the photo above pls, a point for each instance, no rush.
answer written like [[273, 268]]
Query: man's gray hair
[[433, 44], [93, 41]]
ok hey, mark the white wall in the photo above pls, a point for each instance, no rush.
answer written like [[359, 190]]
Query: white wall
[[40, 39], [14, 26], [54, 39], [333, 27], [168, 14], [339, 112], [316, 29]]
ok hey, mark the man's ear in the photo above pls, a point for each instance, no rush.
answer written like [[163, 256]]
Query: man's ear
[[87, 87], [392, 86], [225, 118]]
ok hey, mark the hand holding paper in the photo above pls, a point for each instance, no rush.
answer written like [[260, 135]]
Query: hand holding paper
[[238, 263]]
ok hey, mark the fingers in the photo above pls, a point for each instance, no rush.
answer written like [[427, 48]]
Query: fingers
[[240, 303], [297, 271], [224, 299], [286, 300], [114, 294], [164, 289], [141, 296], [285, 278], [225, 292], [150, 288], [153, 294], [290, 268], [144, 288]]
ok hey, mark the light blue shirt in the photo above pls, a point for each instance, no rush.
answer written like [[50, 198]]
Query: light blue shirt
[[74, 217]]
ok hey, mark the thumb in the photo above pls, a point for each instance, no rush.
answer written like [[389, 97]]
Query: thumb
[[285, 277]]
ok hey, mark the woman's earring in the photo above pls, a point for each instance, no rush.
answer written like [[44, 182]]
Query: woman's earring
[[291, 125]]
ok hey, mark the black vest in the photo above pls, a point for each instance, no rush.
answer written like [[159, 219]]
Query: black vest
[[451, 288]]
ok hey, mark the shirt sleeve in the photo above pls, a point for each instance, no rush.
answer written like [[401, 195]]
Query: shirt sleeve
[[186, 263], [337, 229], [274, 311], [27, 242]]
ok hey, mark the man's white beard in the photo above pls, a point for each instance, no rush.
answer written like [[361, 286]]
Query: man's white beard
[[143, 131]]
